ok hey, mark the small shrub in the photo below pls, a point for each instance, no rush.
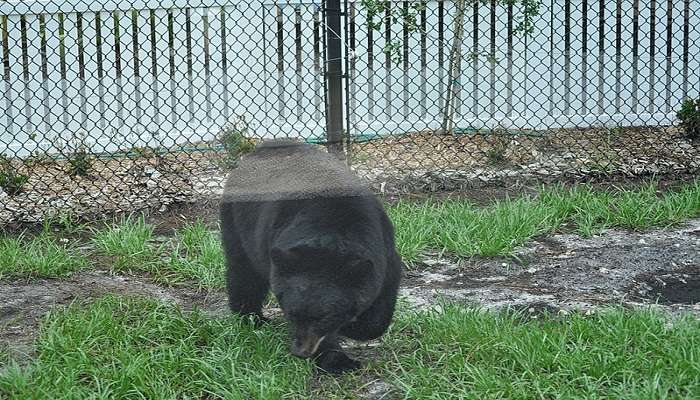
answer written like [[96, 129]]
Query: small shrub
[[11, 180], [689, 116], [235, 142], [496, 154]]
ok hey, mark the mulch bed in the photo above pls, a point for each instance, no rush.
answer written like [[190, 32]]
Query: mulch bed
[[410, 163]]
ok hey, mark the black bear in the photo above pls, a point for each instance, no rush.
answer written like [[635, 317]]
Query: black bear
[[296, 220]]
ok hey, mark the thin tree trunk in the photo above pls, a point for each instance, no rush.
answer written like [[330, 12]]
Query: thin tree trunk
[[455, 69]]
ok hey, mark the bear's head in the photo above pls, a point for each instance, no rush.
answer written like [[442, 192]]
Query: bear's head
[[321, 288]]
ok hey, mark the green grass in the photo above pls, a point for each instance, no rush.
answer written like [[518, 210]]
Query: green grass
[[616, 354], [460, 228], [195, 254], [39, 256], [127, 243], [135, 348], [138, 348]]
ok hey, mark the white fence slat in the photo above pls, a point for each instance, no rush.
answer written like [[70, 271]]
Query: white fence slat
[[609, 84], [538, 59], [34, 110], [557, 71], [694, 52], [520, 71], [149, 83], [434, 94], [17, 89], [181, 94], [660, 58], [196, 89], [108, 87], [90, 98], [674, 82], [500, 76], [624, 62], [214, 85], [160, 84]]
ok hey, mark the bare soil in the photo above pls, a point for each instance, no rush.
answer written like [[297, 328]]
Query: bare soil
[[566, 272]]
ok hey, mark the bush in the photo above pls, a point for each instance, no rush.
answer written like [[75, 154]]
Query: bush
[[689, 115], [235, 142], [11, 181], [79, 162]]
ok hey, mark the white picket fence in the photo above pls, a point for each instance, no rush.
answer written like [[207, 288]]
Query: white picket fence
[[118, 74]]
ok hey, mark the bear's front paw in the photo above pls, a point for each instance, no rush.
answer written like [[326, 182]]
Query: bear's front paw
[[336, 362]]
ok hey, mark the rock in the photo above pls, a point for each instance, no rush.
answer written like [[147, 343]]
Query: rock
[[151, 171]]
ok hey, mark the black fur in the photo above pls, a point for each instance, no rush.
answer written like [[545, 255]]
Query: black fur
[[331, 262]]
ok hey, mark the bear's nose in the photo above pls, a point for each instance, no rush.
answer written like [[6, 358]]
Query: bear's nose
[[304, 345]]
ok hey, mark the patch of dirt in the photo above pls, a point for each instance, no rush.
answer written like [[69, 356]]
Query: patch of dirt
[[672, 287], [566, 272], [23, 304], [180, 214]]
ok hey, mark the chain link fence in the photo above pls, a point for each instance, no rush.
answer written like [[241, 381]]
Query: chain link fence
[[122, 105]]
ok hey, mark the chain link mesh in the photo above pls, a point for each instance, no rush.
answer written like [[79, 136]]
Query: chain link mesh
[[123, 105]]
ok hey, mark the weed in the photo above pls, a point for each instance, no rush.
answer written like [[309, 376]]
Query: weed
[[689, 116], [235, 141], [11, 180], [79, 162], [196, 254], [496, 153]]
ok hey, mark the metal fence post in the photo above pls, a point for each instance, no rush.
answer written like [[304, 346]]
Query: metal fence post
[[334, 79]]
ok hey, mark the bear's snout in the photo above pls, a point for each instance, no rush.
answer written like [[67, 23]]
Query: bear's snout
[[305, 343]]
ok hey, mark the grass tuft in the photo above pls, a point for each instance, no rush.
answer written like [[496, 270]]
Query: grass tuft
[[40, 256], [196, 254], [128, 243]]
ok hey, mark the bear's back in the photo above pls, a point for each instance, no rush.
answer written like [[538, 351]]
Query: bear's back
[[288, 170]]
